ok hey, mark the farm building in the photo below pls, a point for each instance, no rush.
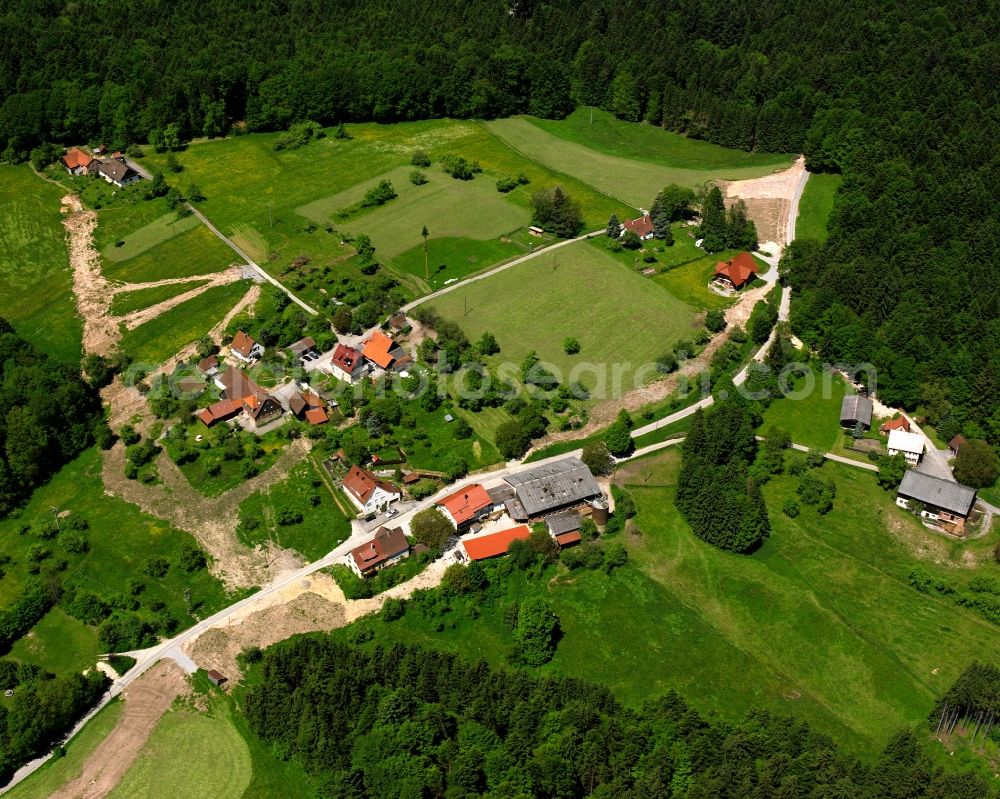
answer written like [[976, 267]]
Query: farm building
[[244, 348], [368, 492], [956, 444], [209, 366], [899, 423], [493, 545], [215, 677], [386, 547], [941, 501], [78, 162], [855, 409], [737, 272], [909, 445], [240, 393], [467, 505], [304, 348], [117, 173], [564, 528], [642, 227], [309, 406], [383, 352], [546, 489], [347, 364]]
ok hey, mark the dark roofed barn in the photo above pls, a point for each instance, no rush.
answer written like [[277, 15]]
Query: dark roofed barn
[[855, 409], [553, 487], [944, 502]]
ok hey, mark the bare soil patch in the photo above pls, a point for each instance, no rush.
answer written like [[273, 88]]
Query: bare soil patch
[[146, 700], [768, 200], [143, 315]]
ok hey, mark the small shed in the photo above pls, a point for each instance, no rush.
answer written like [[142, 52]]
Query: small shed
[[216, 677], [534, 230]]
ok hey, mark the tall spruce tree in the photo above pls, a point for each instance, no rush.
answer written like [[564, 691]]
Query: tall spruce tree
[[713, 221]]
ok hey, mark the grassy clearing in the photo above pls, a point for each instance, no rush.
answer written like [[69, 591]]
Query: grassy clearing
[[604, 132], [58, 643], [633, 182], [192, 252], [816, 206], [578, 292], [159, 338], [161, 229], [811, 413], [258, 196], [322, 524], [128, 301], [203, 754], [56, 773], [431, 443], [451, 258], [820, 622], [35, 282], [689, 283]]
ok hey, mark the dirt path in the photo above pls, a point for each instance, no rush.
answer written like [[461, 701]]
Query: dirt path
[[657, 391], [143, 315], [768, 200], [211, 520], [121, 288], [146, 700], [309, 605], [91, 289]]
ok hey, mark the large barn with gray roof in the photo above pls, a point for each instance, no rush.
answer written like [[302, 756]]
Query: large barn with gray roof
[[546, 489], [943, 502]]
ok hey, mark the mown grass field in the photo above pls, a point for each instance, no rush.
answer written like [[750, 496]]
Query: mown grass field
[[159, 338], [322, 527], [632, 181], [128, 301], [57, 772], [453, 258], [810, 413], [59, 644], [618, 316], [36, 285], [820, 623], [816, 205], [273, 202], [195, 251], [135, 242]]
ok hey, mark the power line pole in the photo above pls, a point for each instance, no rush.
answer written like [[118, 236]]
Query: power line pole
[[270, 218], [427, 271]]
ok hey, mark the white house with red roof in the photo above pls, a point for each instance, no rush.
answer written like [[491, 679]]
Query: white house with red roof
[[347, 364], [370, 493], [467, 505], [245, 349], [387, 547], [642, 227]]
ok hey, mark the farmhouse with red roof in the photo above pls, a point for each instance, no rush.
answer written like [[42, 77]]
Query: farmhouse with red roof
[[368, 491], [467, 505], [642, 227], [388, 546], [245, 349], [736, 273]]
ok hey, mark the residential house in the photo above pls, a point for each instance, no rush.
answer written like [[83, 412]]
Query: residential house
[[492, 545], [737, 272], [309, 406], [347, 364], [940, 501], [642, 227], [956, 444], [547, 489], [78, 162], [370, 493], [386, 547], [855, 409], [304, 349], [117, 172], [245, 349], [241, 394], [564, 528], [467, 505], [909, 445], [899, 423], [383, 352], [209, 366]]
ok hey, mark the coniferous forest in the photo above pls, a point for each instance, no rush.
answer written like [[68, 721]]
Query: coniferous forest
[[407, 722], [901, 97]]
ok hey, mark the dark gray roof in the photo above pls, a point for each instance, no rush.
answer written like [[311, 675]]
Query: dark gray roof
[[856, 408], [560, 523], [552, 486], [501, 494], [115, 170], [302, 345], [945, 494]]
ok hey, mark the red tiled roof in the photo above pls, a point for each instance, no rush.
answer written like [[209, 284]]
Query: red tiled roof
[[740, 270], [564, 539], [387, 543], [899, 423], [465, 503], [242, 343], [220, 410], [377, 349], [489, 546], [642, 226], [75, 157], [362, 484], [209, 363], [316, 416]]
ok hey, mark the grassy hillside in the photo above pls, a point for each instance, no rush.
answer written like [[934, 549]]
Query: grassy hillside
[[816, 205], [580, 291], [630, 180], [36, 286], [821, 622], [128, 301]]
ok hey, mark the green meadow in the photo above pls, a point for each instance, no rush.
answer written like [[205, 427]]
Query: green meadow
[[36, 285], [127, 301], [627, 178], [816, 205], [820, 623], [579, 291]]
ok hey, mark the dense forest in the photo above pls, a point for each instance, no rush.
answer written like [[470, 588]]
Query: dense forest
[[409, 722], [48, 415], [900, 97]]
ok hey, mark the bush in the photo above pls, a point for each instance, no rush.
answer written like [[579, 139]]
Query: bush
[[418, 178], [715, 321], [507, 184], [571, 346], [156, 567], [192, 558], [379, 194], [790, 508], [393, 609], [420, 158], [287, 517]]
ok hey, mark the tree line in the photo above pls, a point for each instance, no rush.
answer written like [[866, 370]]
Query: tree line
[[409, 721]]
